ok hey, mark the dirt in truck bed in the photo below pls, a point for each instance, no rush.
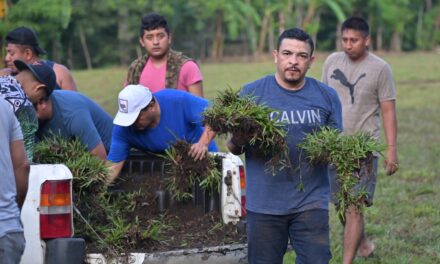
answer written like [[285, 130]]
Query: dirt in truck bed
[[177, 225]]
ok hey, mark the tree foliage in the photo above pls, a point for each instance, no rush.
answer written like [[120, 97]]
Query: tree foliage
[[86, 33]]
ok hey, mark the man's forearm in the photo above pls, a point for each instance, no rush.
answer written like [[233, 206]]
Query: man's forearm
[[21, 170], [207, 136], [389, 122], [114, 170]]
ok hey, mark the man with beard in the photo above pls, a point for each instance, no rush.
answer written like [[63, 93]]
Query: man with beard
[[365, 84], [278, 207], [163, 67], [153, 122]]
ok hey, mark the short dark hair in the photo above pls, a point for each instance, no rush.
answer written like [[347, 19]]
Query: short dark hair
[[356, 23], [298, 34], [153, 21]]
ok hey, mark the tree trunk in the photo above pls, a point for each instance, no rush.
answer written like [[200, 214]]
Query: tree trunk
[[55, 50], [314, 34], [435, 33], [310, 14], [419, 28], [379, 38], [396, 42], [263, 31], [251, 34], [70, 54], [217, 45], [338, 44], [282, 22], [85, 49], [299, 11], [124, 36], [428, 4], [271, 35]]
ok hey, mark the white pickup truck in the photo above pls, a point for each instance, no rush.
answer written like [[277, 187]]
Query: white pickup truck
[[47, 217]]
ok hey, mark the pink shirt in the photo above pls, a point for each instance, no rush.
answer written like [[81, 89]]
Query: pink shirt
[[154, 78]]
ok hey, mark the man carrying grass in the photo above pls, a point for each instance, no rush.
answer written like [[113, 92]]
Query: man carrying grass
[[364, 83], [293, 203]]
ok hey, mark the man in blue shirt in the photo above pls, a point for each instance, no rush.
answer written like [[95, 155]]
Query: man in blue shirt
[[73, 115], [154, 122], [293, 204], [65, 113]]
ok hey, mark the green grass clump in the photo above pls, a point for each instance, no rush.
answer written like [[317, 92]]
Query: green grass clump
[[243, 116], [346, 153], [183, 172]]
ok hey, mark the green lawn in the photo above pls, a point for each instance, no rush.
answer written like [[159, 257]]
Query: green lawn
[[405, 220]]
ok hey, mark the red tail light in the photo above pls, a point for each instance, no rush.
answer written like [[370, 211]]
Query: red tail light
[[243, 191], [56, 209]]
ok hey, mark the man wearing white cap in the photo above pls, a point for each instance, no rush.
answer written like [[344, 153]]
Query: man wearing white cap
[[154, 122]]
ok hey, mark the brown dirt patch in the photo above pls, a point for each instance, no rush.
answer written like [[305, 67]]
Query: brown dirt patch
[[192, 224]]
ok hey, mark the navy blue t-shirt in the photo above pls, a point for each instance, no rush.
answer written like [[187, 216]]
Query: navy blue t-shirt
[[180, 118], [75, 115], [303, 111]]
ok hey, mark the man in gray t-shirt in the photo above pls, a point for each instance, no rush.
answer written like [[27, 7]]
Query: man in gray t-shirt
[[365, 85], [14, 169], [278, 208]]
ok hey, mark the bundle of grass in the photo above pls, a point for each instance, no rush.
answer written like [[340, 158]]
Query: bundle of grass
[[243, 116], [346, 153], [183, 172], [103, 219]]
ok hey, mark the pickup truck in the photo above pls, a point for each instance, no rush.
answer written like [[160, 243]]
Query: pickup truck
[[47, 215]]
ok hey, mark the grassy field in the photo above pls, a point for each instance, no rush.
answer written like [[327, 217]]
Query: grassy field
[[405, 220]]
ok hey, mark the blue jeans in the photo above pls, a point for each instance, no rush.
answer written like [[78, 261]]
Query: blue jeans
[[11, 248], [308, 232]]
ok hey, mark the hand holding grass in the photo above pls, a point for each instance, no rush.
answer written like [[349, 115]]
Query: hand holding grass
[[250, 124]]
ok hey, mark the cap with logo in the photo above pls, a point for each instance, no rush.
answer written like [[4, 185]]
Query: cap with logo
[[42, 72], [131, 100], [25, 36]]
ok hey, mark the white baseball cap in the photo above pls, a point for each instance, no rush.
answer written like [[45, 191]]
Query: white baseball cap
[[131, 100]]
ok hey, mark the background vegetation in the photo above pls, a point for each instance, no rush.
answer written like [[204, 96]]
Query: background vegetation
[[94, 33], [405, 219]]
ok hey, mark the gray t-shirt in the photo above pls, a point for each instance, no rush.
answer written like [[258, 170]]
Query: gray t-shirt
[[302, 111], [361, 86], [9, 211]]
